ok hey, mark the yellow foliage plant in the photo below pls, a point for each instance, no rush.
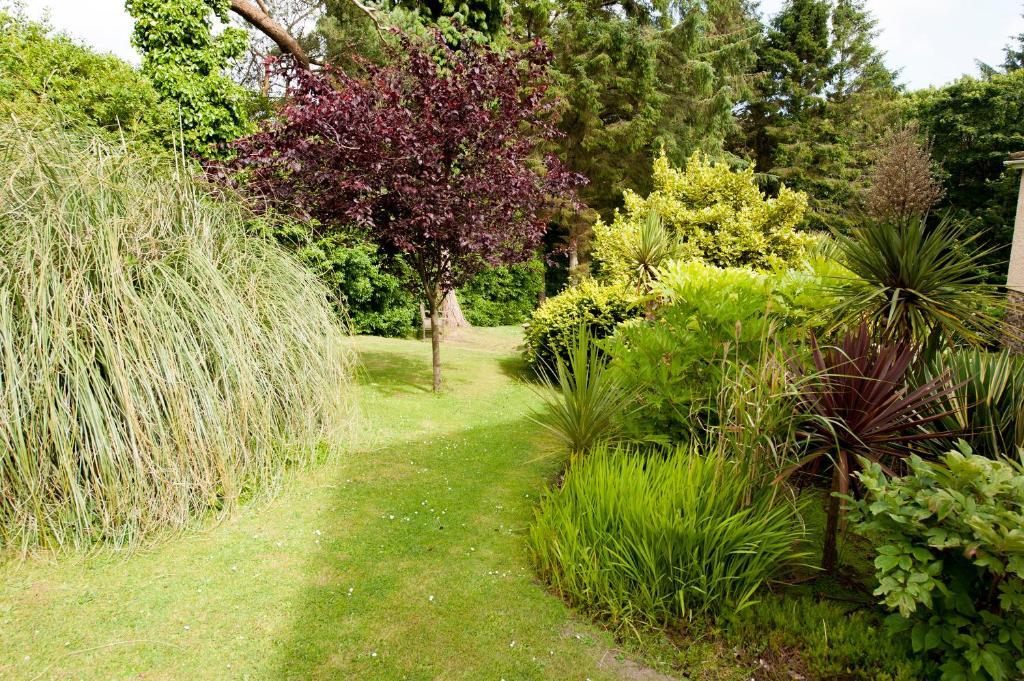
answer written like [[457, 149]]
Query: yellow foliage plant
[[717, 214]]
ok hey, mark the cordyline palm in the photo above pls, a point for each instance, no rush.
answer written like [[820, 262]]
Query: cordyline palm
[[916, 284], [653, 249], [858, 405]]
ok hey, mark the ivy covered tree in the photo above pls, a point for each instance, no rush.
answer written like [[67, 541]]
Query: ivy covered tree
[[435, 158], [186, 62]]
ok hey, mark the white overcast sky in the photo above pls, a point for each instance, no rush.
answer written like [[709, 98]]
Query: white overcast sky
[[932, 41]]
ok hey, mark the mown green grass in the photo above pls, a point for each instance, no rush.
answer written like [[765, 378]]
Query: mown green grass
[[433, 500]]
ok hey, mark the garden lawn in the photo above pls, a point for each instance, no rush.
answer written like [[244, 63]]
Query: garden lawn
[[402, 558]]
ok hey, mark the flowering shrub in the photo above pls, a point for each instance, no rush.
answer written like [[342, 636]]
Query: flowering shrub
[[950, 541]]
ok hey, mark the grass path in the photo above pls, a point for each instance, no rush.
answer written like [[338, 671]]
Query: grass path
[[401, 559]]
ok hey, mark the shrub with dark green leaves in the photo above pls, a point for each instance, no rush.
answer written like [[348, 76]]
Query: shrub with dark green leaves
[[638, 538], [555, 324], [369, 289], [499, 296], [950, 543]]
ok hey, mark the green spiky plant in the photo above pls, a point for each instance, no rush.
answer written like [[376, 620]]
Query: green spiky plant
[[157, 363], [918, 284], [987, 406], [652, 249], [584, 404]]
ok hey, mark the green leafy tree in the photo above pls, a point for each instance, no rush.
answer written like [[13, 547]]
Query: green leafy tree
[[824, 99], [973, 124], [43, 72], [186, 61], [640, 79]]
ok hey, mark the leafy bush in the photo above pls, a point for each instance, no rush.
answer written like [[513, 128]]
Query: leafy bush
[[600, 309], [709, 315], [584, 404], [915, 283], [156, 362], [951, 560], [500, 296], [42, 71], [638, 538], [986, 407], [717, 213]]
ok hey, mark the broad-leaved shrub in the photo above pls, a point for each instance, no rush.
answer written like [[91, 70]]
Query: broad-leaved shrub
[[950, 543]]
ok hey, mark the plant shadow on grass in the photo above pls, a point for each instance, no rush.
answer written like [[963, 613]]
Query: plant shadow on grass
[[517, 368], [390, 373], [367, 607]]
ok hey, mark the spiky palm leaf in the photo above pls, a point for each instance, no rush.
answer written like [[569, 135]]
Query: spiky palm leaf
[[858, 405], [918, 284], [652, 250]]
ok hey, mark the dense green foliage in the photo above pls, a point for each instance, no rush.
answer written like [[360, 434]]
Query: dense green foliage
[[951, 560], [46, 74], [973, 124], [555, 325], [500, 296], [638, 538], [822, 103], [156, 362], [185, 60], [717, 214], [638, 78], [710, 318], [369, 288]]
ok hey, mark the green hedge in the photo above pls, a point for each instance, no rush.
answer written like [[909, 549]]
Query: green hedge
[[555, 324]]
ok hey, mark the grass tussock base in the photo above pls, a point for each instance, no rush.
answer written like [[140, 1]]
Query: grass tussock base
[[156, 362]]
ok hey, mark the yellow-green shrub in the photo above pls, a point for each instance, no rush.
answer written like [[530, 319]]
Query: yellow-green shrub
[[555, 325], [718, 214]]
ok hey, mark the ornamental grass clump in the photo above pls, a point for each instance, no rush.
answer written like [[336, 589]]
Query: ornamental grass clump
[[156, 362], [648, 538]]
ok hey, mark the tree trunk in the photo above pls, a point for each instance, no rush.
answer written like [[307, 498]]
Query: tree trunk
[[435, 338], [830, 553], [451, 312]]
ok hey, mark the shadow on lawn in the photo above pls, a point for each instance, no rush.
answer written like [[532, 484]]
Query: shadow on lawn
[[370, 590], [392, 373]]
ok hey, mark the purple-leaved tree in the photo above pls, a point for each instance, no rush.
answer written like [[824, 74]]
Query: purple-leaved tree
[[438, 156]]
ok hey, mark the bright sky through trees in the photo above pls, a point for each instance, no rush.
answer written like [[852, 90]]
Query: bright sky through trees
[[932, 41]]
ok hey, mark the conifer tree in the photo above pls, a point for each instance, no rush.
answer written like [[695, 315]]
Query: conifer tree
[[823, 102]]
